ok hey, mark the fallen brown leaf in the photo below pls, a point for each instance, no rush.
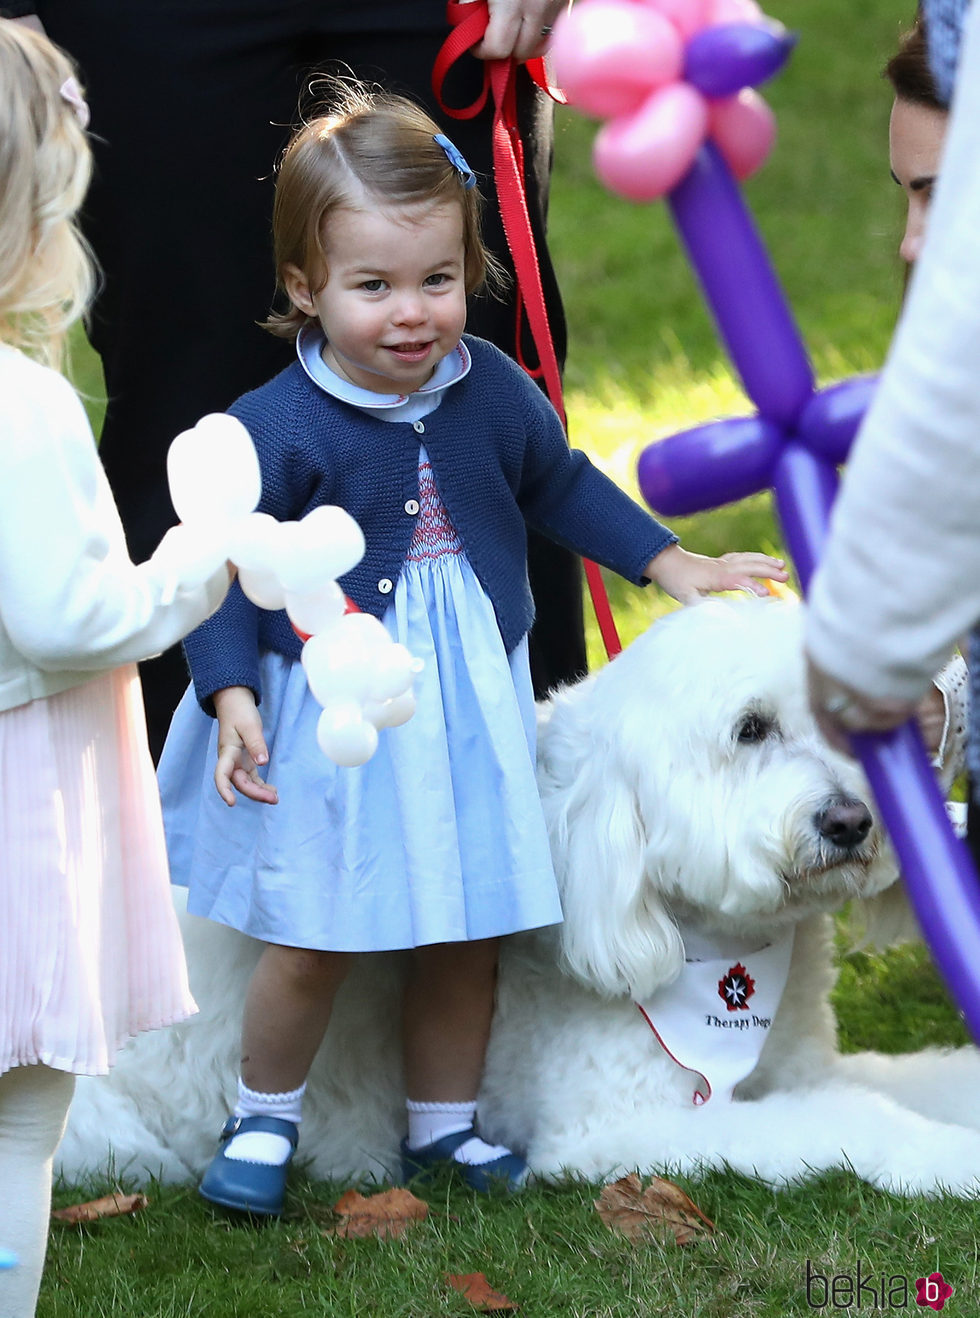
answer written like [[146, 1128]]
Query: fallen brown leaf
[[662, 1210], [475, 1287], [111, 1205], [386, 1214]]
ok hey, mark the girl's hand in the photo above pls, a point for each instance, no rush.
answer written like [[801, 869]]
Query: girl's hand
[[688, 576], [241, 747]]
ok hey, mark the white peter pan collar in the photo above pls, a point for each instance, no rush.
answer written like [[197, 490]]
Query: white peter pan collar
[[394, 407]]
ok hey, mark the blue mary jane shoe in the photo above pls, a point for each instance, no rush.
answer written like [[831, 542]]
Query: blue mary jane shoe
[[249, 1187], [508, 1172]]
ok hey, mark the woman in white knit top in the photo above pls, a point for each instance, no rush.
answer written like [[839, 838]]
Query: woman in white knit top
[[900, 582]]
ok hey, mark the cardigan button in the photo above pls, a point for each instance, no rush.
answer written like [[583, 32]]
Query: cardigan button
[[418, 427], [384, 585], [412, 507]]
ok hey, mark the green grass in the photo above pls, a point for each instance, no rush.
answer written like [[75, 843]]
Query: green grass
[[548, 1251], [644, 361], [894, 1003]]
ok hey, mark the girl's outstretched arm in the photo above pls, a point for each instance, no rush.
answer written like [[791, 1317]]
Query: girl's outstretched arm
[[241, 747], [688, 576]]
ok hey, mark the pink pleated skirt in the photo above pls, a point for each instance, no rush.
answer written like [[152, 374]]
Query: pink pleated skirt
[[90, 951]]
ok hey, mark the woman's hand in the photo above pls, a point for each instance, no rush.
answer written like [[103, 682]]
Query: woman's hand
[[840, 709], [518, 28], [241, 747], [689, 576]]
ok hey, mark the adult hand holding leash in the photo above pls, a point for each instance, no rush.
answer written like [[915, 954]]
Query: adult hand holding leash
[[518, 29]]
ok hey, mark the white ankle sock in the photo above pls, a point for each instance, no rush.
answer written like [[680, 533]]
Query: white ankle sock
[[428, 1122], [262, 1145], [476, 1152]]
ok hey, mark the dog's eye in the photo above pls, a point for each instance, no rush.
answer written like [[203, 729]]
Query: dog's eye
[[754, 728]]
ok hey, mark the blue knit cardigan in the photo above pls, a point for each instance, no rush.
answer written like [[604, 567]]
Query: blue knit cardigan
[[500, 461]]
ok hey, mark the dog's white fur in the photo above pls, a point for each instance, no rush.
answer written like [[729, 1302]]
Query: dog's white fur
[[661, 818]]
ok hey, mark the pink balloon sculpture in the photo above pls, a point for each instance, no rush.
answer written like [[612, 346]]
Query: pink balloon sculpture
[[794, 442], [667, 74]]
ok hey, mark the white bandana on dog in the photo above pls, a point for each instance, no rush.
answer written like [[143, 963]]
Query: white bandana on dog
[[714, 1018]]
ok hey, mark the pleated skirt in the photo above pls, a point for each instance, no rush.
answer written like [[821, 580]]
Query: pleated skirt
[[90, 950]]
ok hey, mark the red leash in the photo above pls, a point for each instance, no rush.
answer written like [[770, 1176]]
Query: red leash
[[468, 20]]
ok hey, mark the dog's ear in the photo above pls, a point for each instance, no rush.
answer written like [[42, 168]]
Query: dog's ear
[[617, 936]]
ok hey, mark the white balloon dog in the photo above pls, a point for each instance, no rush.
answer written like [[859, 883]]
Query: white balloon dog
[[355, 670]]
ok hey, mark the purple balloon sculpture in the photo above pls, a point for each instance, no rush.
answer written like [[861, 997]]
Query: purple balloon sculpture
[[793, 445], [721, 60]]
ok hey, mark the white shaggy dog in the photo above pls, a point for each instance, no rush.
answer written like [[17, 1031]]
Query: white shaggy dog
[[697, 822]]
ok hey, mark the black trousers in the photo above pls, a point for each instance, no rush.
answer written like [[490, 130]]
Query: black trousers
[[973, 829], [192, 102]]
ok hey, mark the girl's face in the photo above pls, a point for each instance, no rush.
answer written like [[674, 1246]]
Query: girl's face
[[915, 140], [394, 303]]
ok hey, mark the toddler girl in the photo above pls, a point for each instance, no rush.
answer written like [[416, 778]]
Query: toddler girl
[[443, 451], [89, 947]]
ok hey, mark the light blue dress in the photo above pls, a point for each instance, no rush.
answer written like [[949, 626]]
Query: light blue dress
[[439, 837]]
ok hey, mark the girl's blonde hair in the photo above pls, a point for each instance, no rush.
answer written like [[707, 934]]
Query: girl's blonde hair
[[46, 273], [371, 149]]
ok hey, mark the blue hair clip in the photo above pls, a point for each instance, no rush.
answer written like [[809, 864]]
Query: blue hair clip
[[457, 160]]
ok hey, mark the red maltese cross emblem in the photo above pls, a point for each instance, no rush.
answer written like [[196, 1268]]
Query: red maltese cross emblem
[[736, 987]]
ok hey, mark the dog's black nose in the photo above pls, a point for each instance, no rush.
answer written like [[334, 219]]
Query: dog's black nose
[[845, 822]]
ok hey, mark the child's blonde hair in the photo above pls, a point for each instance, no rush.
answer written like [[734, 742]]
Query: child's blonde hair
[[46, 273], [371, 149]]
